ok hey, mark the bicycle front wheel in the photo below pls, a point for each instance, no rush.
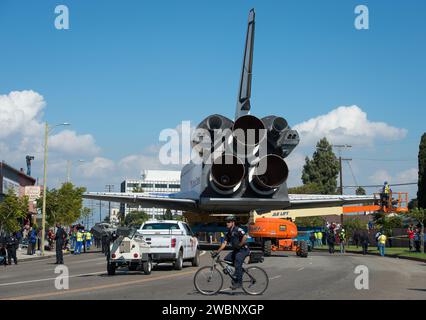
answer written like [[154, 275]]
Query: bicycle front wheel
[[255, 281], [208, 281]]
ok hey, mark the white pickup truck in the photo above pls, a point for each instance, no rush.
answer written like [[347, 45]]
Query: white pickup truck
[[170, 241]]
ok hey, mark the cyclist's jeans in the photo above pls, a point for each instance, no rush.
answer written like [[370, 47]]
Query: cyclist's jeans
[[238, 256]]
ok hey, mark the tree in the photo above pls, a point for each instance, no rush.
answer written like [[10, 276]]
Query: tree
[[177, 217], [360, 191], [310, 188], [63, 205], [390, 223], [135, 218], [11, 209], [137, 189], [323, 169], [168, 215], [310, 222], [421, 193], [413, 203], [353, 224], [85, 213], [419, 214]]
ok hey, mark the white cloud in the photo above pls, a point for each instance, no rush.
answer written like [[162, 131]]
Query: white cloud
[[295, 162], [380, 176], [20, 112], [98, 168], [135, 163], [347, 125], [407, 176], [69, 142], [22, 133]]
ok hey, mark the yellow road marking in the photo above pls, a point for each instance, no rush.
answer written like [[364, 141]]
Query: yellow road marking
[[107, 286]]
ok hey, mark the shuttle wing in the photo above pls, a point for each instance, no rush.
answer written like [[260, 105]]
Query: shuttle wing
[[300, 201], [176, 202], [146, 200]]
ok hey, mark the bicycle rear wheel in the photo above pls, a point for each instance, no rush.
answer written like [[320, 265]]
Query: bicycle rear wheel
[[255, 281], [208, 281]]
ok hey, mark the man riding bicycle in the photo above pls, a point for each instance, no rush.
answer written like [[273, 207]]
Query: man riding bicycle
[[237, 238]]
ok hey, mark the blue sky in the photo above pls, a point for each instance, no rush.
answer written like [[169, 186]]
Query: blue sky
[[128, 69]]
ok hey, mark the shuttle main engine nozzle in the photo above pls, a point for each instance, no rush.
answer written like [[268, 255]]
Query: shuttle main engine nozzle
[[249, 131], [227, 173], [270, 173]]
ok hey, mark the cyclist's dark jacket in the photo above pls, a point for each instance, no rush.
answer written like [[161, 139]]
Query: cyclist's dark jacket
[[234, 237]]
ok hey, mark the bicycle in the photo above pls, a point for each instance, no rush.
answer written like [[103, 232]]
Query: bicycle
[[210, 276]]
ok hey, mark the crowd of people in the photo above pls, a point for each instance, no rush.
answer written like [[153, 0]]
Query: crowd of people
[[27, 237], [76, 239], [414, 238], [335, 234]]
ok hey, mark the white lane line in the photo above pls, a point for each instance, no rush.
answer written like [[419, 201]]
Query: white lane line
[[276, 277], [301, 269], [48, 279]]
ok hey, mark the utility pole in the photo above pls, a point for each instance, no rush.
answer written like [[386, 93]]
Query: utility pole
[[69, 165], [341, 172], [339, 148], [47, 130]]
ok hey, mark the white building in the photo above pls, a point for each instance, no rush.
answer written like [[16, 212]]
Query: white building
[[156, 181]]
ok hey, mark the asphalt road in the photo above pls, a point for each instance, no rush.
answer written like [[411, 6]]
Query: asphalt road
[[320, 276]]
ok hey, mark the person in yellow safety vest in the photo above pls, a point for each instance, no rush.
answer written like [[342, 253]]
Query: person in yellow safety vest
[[88, 240], [382, 243], [386, 192], [320, 238], [79, 242]]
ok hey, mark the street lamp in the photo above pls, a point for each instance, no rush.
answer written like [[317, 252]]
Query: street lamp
[[69, 164], [43, 219]]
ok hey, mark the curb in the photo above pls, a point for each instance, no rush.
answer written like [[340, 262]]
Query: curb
[[386, 255], [36, 258]]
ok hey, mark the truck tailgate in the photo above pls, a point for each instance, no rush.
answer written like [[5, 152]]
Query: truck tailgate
[[160, 240]]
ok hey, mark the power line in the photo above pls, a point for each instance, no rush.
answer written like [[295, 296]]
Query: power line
[[386, 160], [380, 185], [352, 172]]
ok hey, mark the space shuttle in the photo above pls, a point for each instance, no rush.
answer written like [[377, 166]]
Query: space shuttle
[[241, 164]]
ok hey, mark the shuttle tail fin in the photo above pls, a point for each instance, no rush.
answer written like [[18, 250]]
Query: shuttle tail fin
[[244, 93]]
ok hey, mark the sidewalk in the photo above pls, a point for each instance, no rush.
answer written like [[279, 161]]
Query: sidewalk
[[23, 256]]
